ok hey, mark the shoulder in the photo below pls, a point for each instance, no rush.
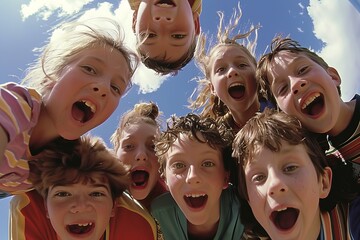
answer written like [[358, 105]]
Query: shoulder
[[163, 202], [129, 217]]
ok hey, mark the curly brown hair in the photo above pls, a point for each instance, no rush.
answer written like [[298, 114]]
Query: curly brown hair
[[213, 133], [65, 162]]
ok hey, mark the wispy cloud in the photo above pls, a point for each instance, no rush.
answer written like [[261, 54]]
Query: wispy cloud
[[45, 8], [336, 23], [147, 80]]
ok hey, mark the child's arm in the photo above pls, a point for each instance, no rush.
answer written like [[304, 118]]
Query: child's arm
[[3, 142]]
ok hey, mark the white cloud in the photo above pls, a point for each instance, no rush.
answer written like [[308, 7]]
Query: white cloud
[[336, 23], [147, 79], [45, 8]]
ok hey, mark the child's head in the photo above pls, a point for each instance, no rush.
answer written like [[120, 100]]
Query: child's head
[[133, 143], [195, 160], [166, 34], [79, 181], [283, 174], [82, 73], [228, 67], [301, 83]]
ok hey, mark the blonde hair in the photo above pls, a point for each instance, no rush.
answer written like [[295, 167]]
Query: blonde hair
[[142, 112], [210, 104], [68, 40]]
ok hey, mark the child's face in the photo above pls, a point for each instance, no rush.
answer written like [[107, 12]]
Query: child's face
[[232, 75], [171, 28], [284, 192], [87, 92], [137, 150], [304, 89], [195, 176], [79, 211]]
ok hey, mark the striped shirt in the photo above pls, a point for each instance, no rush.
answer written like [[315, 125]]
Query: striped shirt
[[19, 113], [348, 141]]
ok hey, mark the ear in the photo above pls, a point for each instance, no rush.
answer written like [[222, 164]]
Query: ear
[[226, 180], [334, 75], [325, 182], [196, 23]]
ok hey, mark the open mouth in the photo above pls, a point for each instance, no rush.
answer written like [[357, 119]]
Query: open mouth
[[313, 105], [165, 3], [196, 200], [236, 91], [80, 228], [285, 219], [139, 178], [83, 111]]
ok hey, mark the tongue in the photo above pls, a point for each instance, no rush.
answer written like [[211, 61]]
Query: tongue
[[315, 108], [237, 92], [77, 113], [286, 219]]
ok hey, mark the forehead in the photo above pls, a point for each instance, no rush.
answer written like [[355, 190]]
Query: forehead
[[228, 50], [140, 128]]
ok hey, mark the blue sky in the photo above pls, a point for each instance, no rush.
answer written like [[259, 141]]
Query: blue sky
[[330, 27]]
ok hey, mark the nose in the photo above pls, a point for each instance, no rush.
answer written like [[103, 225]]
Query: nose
[[164, 19], [80, 204], [192, 175], [141, 155], [232, 72], [276, 185], [298, 85], [101, 89]]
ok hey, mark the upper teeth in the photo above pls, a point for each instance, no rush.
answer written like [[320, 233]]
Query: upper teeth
[[309, 100], [195, 195], [282, 209], [236, 84], [84, 224], [90, 105], [163, 5]]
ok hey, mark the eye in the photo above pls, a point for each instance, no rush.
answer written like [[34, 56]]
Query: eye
[[128, 147], [290, 168], [62, 194], [178, 36], [243, 65], [258, 178], [97, 194], [282, 89], [208, 164], [147, 35], [303, 70], [220, 69], [89, 69], [177, 165], [152, 147], [116, 89]]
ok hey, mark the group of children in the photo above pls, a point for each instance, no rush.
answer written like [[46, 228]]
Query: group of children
[[269, 152]]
